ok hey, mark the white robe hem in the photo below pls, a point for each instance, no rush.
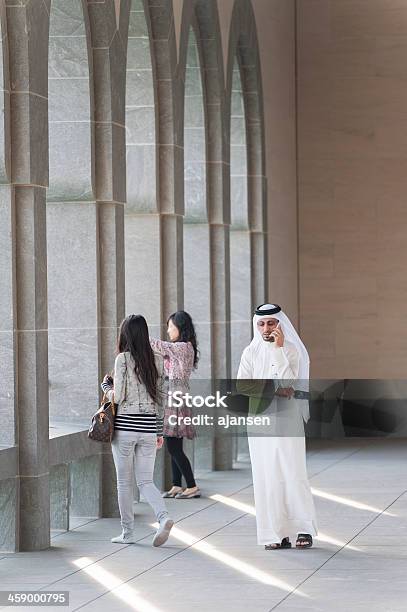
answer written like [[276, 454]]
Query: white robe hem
[[291, 530]]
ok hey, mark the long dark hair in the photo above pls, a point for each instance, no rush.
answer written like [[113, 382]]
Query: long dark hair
[[133, 337], [183, 322]]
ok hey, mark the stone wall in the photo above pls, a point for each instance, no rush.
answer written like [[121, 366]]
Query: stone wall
[[352, 89]]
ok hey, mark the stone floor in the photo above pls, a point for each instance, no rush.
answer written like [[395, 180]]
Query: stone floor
[[212, 561]]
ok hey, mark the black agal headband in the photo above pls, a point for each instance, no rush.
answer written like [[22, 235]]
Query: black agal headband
[[275, 308]]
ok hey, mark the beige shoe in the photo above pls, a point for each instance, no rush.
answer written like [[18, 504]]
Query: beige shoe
[[172, 492], [183, 495]]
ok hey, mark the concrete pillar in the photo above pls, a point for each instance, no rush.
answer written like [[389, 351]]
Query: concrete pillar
[[196, 229], [198, 304], [220, 268], [219, 192], [108, 44], [32, 367], [112, 297], [172, 264], [218, 185], [258, 265], [215, 452], [169, 169], [172, 286], [196, 271], [29, 175], [7, 253], [7, 316], [256, 179], [241, 297], [240, 243], [249, 238]]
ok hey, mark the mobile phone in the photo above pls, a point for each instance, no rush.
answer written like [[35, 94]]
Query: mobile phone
[[272, 339]]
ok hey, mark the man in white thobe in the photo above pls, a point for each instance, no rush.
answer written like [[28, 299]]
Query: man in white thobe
[[282, 494]]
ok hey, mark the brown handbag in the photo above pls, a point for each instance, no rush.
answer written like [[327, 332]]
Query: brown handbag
[[101, 428]]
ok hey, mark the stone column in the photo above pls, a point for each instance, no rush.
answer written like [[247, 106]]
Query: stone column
[[7, 316], [7, 253], [196, 229], [172, 281], [241, 272], [197, 281], [220, 268], [256, 180], [170, 183], [29, 175], [108, 42], [219, 449], [243, 46], [258, 264], [219, 191], [32, 359]]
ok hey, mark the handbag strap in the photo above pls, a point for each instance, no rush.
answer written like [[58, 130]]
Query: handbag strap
[[105, 399]]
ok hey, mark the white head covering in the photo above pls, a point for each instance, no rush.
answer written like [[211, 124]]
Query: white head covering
[[260, 350]]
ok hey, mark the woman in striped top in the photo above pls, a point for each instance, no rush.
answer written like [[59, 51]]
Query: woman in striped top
[[139, 390]]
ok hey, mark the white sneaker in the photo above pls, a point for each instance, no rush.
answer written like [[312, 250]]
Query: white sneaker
[[124, 539], [163, 532]]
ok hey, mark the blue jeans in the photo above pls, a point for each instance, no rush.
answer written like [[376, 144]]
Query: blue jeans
[[127, 445]]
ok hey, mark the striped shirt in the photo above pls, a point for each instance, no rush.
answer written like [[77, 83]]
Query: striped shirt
[[142, 422], [146, 423]]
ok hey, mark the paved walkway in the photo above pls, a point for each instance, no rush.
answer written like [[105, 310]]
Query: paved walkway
[[212, 561]]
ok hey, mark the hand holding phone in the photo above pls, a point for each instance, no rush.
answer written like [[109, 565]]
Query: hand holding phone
[[277, 336]]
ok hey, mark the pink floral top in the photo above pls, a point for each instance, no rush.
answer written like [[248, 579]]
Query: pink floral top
[[178, 363], [178, 358]]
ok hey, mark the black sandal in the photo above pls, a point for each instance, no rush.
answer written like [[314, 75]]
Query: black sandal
[[285, 543], [306, 538]]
